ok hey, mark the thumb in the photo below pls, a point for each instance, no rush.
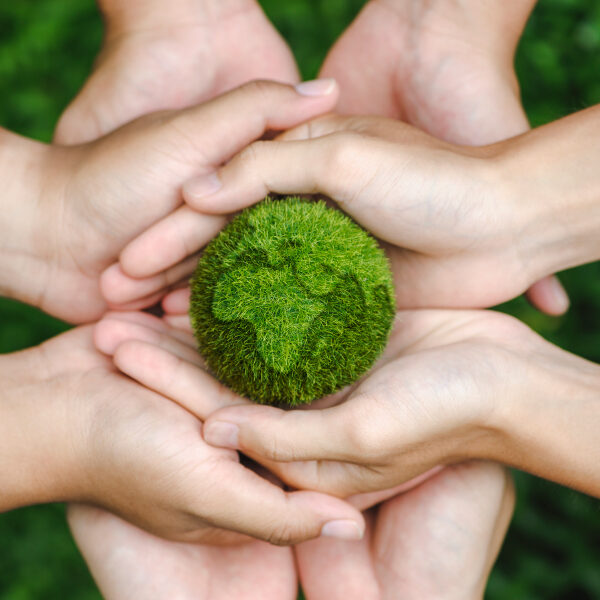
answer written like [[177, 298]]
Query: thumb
[[227, 124], [240, 500]]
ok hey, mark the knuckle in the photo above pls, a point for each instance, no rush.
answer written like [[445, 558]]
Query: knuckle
[[263, 88], [341, 156], [363, 439], [282, 534], [249, 157]]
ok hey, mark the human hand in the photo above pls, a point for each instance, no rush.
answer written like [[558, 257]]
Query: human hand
[[157, 58], [123, 447], [451, 386], [459, 233], [94, 199], [445, 67], [442, 535], [127, 562], [438, 540]]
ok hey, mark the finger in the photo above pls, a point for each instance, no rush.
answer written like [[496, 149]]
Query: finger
[[377, 127], [230, 122], [337, 570], [240, 500], [364, 175], [110, 333], [295, 167], [369, 499], [151, 322], [179, 235], [119, 289], [549, 296], [179, 322], [170, 372], [177, 302], [285, 436]]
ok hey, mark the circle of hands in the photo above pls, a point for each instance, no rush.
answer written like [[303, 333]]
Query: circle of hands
[[158, 111]]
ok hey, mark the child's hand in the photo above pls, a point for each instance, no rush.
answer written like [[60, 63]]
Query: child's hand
[[92, 200], [73, 428], [158, 57]]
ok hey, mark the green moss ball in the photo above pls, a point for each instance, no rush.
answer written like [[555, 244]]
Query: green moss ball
[[291, 302]]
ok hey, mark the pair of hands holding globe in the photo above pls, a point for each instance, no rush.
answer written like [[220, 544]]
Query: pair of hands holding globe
[[128, 183]]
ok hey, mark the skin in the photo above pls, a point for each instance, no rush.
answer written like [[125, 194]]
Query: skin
[[468, 224], [147, 48], [437, 540], [406, 545], [440, 396], [67, 221], [155, 59], [127, 562], [446, 67], [119, 445]]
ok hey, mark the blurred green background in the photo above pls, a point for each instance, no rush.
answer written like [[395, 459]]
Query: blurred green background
[[46, 49]]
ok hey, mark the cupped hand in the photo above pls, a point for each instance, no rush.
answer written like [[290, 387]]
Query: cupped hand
[[445, 67], [101, 195], [127, 562], [169, 59], [438, 540], [121, 446], [438, 396]]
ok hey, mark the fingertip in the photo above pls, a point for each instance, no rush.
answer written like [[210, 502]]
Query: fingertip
[[549, 296], [110, 333], [179, 322]]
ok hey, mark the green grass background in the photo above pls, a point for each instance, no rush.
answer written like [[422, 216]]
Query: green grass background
[[46, 49]]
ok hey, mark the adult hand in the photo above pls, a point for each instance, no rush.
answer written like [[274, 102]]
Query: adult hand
[[452, 385], [459, 232], [445, 67], [127, 562], [438, 540], [121, 446], [473, 501], [85, 203], [156, 58]]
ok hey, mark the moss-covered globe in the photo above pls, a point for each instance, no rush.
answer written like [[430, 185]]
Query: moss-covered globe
[[291, 302]]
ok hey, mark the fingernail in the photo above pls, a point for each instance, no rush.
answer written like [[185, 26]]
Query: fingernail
[[342, 530], [205, 185], [316, 87], [221, 434], [560, 295]]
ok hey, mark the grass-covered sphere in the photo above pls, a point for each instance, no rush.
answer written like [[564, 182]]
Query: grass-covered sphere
[[291, 302]]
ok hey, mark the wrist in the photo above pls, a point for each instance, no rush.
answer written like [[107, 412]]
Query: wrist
[[130, 16], [491, 24], [37, 460], [550, 180], [547, 424], [22, 266]]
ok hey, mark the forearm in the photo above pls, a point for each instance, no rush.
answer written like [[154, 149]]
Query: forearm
[[552, 427], [552, 178], [34, 466], [21, 179]]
